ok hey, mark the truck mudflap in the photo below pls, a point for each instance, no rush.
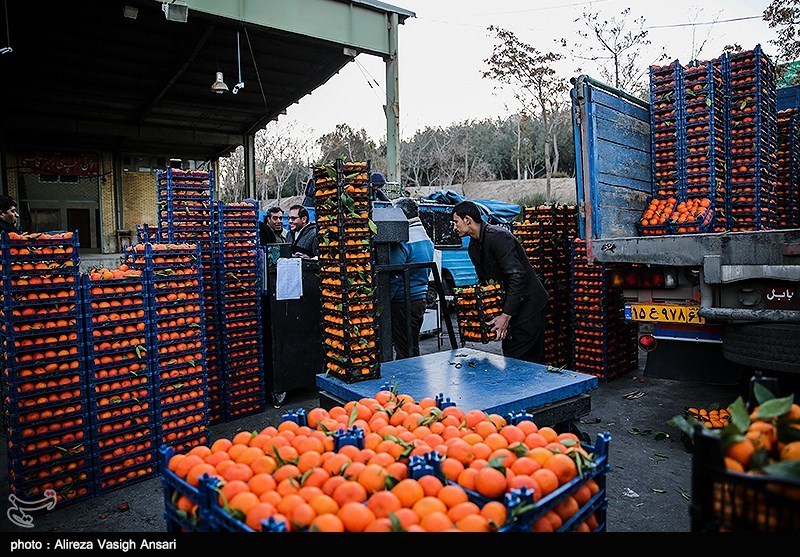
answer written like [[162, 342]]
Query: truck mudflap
[[758, 315]]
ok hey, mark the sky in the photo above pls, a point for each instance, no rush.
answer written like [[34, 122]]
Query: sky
[[443, 49]]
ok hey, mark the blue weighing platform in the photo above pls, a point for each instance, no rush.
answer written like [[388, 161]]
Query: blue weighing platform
[[471, 379]]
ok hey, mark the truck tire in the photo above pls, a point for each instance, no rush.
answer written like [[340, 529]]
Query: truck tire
[[773, 347]]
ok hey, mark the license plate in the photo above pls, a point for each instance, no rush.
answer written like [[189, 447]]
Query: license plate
[[664, 313]]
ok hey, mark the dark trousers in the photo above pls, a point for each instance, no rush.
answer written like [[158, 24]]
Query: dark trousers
[[403, 346], [526, 339]]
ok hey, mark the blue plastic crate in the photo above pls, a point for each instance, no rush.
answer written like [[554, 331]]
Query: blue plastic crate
[[184, 441], [109, 442], [71, 491]]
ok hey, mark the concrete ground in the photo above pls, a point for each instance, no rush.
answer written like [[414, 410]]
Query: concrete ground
[[648, 487]]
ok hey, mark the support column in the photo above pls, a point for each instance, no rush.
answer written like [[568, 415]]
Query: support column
[[392, 106], [250, 165]]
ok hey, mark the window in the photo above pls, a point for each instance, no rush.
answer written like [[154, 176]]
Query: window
[[44, 220]]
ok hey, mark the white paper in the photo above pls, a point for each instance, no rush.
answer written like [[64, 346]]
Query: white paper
[[289, 278]]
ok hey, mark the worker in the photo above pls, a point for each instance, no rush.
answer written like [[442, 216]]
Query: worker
[[378, 180], [9, 217], [418, 249], [303, 234], [497, 255], [271, 229], [311, 189]]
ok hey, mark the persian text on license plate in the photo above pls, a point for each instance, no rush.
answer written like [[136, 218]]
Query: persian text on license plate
[[664, 313]]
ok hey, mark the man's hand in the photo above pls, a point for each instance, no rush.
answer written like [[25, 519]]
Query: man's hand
[[500, 326]]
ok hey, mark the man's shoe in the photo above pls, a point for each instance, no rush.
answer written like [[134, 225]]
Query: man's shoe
[[278, 399]]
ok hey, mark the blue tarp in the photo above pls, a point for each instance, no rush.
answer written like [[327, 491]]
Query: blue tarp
[[496, 211]]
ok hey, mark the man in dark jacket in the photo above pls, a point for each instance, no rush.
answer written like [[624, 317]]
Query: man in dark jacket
[[9, 217], [496, 254], [303, 233], [271, 229]]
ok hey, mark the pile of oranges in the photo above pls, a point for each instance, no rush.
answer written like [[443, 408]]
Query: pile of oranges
[[654, 218], [689, 215], [291, 473]]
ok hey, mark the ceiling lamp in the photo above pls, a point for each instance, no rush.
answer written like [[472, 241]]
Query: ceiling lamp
[[176, 10], [219, 86]]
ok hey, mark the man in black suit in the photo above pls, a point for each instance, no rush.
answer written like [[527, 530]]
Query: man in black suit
[[496, 254]]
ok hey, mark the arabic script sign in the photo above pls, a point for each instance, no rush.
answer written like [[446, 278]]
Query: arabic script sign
[[782, 297], [63, 164]]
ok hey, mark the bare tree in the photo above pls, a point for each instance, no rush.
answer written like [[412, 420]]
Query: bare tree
[[414, 158], [280, 149], [445, 150], [785, 16], [230, 181], [533, 81], [616, 44]]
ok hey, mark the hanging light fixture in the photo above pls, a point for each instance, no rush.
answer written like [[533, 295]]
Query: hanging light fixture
[[240, 84], [219, 85]]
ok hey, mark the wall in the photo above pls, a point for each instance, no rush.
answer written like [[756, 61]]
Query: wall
[[139, 200], [109, 231]]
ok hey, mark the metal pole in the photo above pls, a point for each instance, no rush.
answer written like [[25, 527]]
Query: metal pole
[[392, 106]]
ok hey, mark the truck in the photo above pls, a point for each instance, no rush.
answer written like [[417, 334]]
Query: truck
[[725, 304]]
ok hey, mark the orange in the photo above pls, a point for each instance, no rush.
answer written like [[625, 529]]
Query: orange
[[490, 482], [332, 483], [563, 467], [540, 455], [495, 512], [355, 517], [383, 503], [183, 465], [261, 483], [308, 492], [460, 510], [244, 501], [407, 517], [431, 485], [327, 523], [436, 521], [473, 523], [452, 495], [236, 472], [408, 491], [349, 491], [525, 465], [379, 525], [567, 508], [548, 433], [242, 438], [302, 516], [451, 468], [288, 502], [535, 439], [194, 475], [740, 451], [427, 505], [324, 504], [231, 489], [547, 480], [257, 513], [467, 478]]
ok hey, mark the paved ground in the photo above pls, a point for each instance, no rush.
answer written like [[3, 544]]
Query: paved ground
[[648, 485]]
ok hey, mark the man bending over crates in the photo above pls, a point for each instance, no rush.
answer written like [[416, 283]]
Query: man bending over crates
[[497, 255]]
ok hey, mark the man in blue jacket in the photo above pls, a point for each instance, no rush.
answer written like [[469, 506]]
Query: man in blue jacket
[[418, 249]]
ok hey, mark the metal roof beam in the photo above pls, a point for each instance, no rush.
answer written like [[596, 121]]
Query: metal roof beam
[[359, 25]]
